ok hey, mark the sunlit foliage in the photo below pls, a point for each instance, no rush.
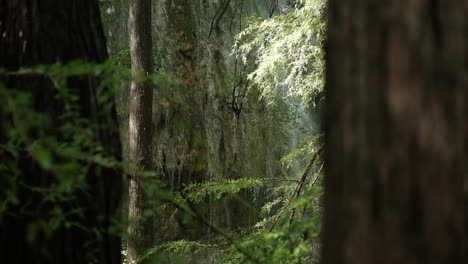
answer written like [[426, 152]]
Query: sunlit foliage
[[287, 50], [285, 62]]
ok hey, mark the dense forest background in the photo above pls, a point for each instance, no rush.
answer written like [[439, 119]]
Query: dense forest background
[[233, 131]]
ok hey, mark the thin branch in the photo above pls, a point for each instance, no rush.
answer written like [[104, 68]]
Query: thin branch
[[202, 220], [304, 176], [293, 213], [281, 180], [238, 9], [221, 10], [298, 188], [274, 5], [318, 174]]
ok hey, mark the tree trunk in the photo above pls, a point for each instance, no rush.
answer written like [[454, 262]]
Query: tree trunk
[[140, 230], [34, 32], [395, 127]]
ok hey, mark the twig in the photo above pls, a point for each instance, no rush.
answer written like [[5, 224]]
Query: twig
[[239, 7], [274, 5], [297, 195], [298, 188], [201, 219], [281, 180], [318, 173], [222, 8]]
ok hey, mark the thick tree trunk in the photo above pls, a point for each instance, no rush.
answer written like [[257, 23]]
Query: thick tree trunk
[[396, 132], [140, 230], [36, 32]]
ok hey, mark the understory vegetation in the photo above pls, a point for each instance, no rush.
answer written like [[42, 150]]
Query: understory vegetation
[[276, 85], [233, 131]]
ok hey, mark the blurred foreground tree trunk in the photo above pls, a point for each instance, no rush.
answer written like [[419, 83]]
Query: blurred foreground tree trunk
[[140, 230], [396, 132], [32, 229]]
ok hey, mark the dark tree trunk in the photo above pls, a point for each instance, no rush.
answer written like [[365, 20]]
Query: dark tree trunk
[[45, 32], [140, 230], [396, 132]]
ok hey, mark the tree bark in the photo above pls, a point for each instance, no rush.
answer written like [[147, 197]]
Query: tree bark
[[140, 230], [396, 135], [34, 32]]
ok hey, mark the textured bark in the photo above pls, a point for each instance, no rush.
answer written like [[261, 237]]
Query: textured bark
[[36, 32], [140, 230], [396, 132]]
